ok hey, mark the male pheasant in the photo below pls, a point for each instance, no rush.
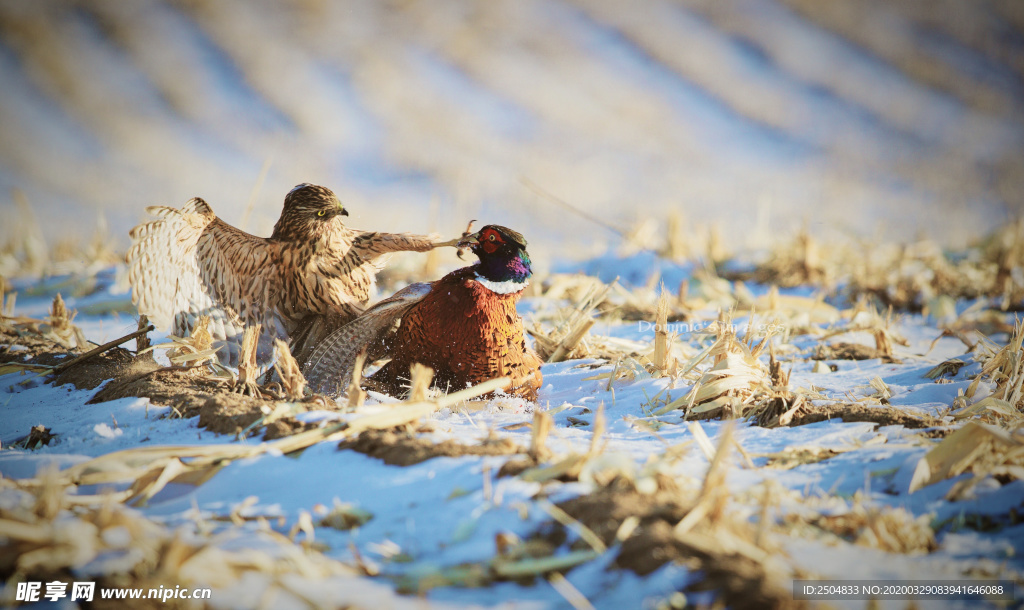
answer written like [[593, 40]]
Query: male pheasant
[[464, 326], [189, 263]]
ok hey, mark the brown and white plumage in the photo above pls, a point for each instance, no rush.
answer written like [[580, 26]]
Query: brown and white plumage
[[188, 263]]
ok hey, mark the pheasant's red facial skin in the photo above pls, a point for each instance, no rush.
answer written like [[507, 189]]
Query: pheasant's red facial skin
[[490, 241], [502, 253]]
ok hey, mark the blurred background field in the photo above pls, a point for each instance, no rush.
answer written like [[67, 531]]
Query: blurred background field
[[870, 118]]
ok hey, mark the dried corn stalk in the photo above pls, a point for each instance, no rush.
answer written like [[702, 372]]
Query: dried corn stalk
[[43, 534], [1005, 368], [641, 303], [355, 392], [7, 301], [977, 448], [991, 410], [737, 384], [948, 367], [661, 355], [677, 247], [61, 327], [564, 342], [736, 557], [882, 391], [151, 468], [906, 277], [539, 431], [142, 342], [420, 377], [292, 380], [797, 263], [192, 351], [893, 530], [248, 369]]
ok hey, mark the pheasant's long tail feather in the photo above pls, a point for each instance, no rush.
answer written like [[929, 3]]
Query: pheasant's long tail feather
[[329, 367]]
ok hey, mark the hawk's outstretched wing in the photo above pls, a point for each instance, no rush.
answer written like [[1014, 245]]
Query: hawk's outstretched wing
[[330, 366], [189, 263]]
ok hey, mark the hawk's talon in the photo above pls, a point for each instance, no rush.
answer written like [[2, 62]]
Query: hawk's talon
[[462, 243], [247, 388], [273, 390]]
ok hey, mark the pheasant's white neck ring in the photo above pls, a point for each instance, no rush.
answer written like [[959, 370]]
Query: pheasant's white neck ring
[[506, 287]]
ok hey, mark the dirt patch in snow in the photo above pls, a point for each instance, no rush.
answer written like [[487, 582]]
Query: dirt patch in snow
[[517, 466], [31, 349], [848, 351], [604, 510], [742, 583], [229, 413], [400, 448], [186, 390], [881, 415], [86, 375], [36, 348], [94, 371]]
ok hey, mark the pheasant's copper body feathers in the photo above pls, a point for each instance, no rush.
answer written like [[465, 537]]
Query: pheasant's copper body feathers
[[467, 334], [465, 327], [188, 263]]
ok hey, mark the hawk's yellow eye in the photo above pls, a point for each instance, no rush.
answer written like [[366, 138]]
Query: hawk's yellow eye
[[321, 212]]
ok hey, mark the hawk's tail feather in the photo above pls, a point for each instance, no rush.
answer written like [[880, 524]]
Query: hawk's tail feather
[[153, 262], [165, 280]]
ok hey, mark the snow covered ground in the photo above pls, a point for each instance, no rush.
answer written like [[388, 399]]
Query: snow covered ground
[[446, 512]]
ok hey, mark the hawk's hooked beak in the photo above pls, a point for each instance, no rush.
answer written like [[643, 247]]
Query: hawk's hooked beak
[[343, 212]]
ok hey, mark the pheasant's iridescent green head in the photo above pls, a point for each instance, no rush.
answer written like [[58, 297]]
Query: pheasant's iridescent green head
[[308, 209], [502, 253]]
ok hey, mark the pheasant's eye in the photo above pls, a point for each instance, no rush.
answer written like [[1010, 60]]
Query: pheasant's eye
[[321, 212], [492, 237]]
